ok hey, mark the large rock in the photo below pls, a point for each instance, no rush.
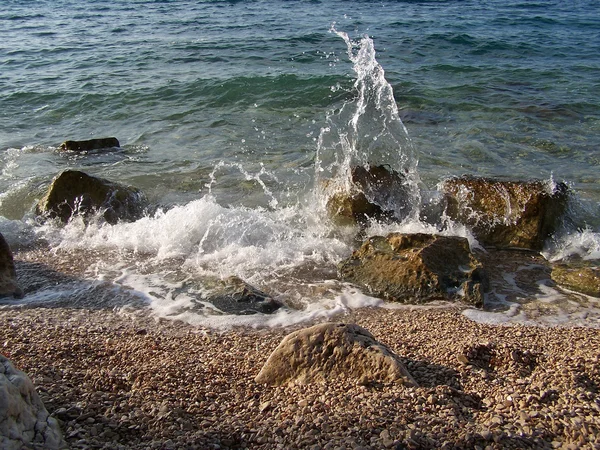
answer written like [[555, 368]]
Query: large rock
[[24, 421], [578, 276], [8, 274], [506, 214], [416, 268], [332, 351], [376, 192], [90, 144], [74, 192], [234, 295]]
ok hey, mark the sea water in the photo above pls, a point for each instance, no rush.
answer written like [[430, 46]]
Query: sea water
[[231, 114]]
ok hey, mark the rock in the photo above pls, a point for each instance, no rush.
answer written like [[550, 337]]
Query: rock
[[91, 144], [375, 192], [234, 295], [416, 268], [332, 351], [24, 421], [74, 192], [506, 214], [8, 274], [352, 208], [579, 276]]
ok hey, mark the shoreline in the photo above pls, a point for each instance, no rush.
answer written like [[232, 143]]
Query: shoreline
[[125, 380]]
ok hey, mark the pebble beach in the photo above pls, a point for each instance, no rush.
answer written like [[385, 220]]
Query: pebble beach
[[123, 379]]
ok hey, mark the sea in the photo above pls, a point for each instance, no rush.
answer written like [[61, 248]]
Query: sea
[[233, 115]]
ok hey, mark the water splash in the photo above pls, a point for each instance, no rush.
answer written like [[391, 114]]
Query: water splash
[[366, 131]]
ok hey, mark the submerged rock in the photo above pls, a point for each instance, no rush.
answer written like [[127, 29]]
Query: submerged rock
[[234, 295], [329, 351], [74, 192], [8, 274], [416, 268], [91, 144], [578, 276], [376, 192], [24, 421], [506, 214]]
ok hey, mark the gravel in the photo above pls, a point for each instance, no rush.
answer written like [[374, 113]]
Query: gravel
[[125, 380]]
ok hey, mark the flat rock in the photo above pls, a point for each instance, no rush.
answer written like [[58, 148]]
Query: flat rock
[[90, 144], [8, 275], [579, 276], [332, 351], [506, 214], [234, 295], [416, 268], [75, 192], [24, 421]]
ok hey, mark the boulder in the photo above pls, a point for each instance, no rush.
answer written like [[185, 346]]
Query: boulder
[[234, 295], [416, 268], [24, 421], [331, 351], [74, 192], [376, 192], [506, 214], [8, 274], [91, 144], [579, 276]]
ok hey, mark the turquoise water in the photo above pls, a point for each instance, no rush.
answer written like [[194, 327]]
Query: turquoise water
[[224, 109]]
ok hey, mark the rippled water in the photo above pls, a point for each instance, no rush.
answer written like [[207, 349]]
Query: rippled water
[[226, 111]]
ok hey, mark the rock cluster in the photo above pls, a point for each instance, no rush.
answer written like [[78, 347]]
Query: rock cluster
[[332, 351], [416, 268], [24, 421]]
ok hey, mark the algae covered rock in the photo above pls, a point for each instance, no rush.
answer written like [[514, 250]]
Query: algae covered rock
[[506, 214], [234, 295], [416, 268], [8, 274], [90, 144], [74, 192], [579, 276], [24, 421], [331, 351], [375, 192]]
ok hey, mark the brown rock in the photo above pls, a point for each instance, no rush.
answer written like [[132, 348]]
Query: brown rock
[[8, 274], [91, 144], [329, 351], [579, 276], [416, 268], [73, 192], [234, 295], [375, 192], [506, 214]]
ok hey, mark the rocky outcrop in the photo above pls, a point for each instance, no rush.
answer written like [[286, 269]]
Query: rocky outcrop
[[506, 214], [416, 268], [8, 274], [24, 421], [233, 295], [74, 192], [376, 192], [91, 144], [578, 276], [332, 351]]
